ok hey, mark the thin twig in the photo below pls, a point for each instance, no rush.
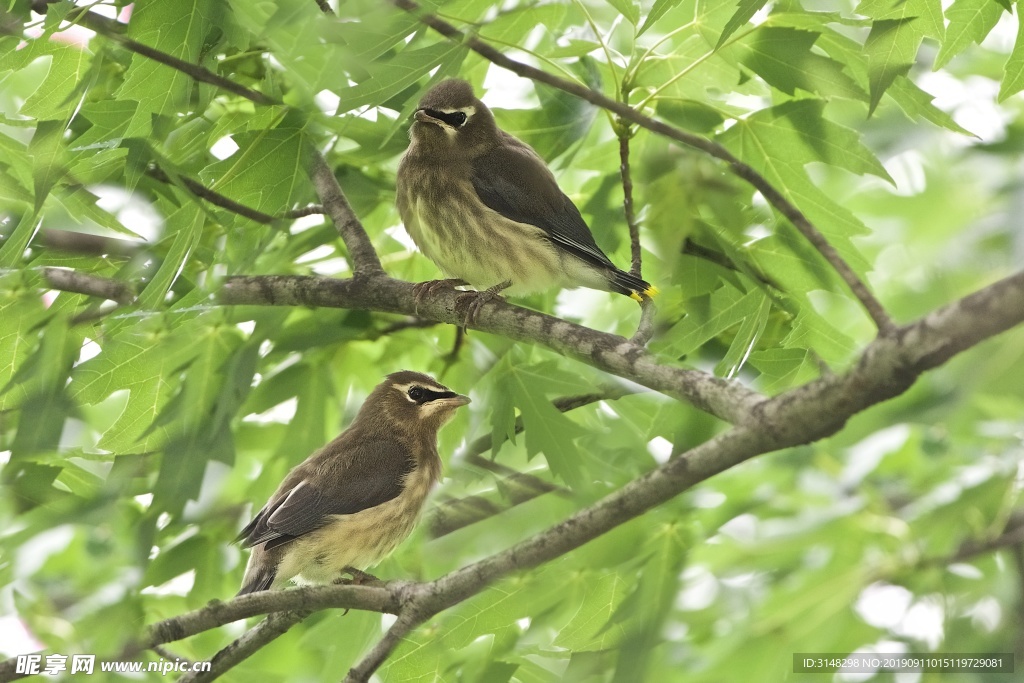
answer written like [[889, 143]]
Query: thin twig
[[268, 630], [304, 211], [409, 619], [774, 197], [170, 656], [624, 131], [646, 328], [324, 6], [215, 198], [110, 28]]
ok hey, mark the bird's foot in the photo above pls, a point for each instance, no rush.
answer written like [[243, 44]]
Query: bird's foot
[[422, 290], [474, 301], [359, 578]]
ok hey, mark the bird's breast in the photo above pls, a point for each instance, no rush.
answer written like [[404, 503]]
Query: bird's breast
[[363, 539], [468, 240]]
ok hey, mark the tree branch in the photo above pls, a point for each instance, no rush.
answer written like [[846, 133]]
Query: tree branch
[[268, 630], [373, 598], [410, 618], [611, 353], [623, 132], [859, 289], [111, 29], [215, 198], [67, 280], [363, 257], [888, 367]]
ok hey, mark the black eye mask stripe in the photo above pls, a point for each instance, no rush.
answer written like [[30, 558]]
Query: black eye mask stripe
[[455, 119], [429, 395]]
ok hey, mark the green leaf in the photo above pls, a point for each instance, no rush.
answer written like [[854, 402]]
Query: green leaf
[[629, 9], [745, 10], [174, 28], [891, 48], [778, 142], [783, 368], [267, 173], [514, 25], [658, 10], [746, 339], [1013, 72], [590, 628], [928, 14], [782, 56], [45, 409], [389, 78], [726, 308], [186, 226], [811, 331], [969, 21], [916, 103], [13, 248], [23, 312], [112, 120], [48, 158], [56, 97]]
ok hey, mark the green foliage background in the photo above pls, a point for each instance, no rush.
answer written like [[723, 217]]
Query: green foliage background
[[135, 441]]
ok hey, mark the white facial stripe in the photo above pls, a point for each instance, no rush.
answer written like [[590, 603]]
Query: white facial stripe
[[468, 111]]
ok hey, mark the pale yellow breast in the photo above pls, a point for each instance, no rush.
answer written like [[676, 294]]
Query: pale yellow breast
[[360, 540]]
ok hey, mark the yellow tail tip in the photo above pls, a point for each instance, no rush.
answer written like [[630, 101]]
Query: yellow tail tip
[[650, 292]]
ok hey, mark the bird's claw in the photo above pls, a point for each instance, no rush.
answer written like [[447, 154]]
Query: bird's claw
[[475, 301], [422, 290], [359, 578]]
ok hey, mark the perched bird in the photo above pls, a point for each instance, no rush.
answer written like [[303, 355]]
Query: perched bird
[[483, 206], [348, 505]]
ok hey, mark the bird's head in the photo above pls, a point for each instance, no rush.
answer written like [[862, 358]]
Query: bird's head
[[451, 118], [411, 402]]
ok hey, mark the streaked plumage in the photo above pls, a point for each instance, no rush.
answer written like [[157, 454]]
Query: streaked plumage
[[485, 208], [351, 503]]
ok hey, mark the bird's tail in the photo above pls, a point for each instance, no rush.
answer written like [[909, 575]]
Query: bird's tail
[[257, 578], [632, 286]]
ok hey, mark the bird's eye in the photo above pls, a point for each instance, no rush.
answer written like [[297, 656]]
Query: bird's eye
[[417, 394], [458, 118]]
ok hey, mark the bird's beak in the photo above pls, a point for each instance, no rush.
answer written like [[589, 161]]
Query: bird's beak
[[423, 117], [457, 400]]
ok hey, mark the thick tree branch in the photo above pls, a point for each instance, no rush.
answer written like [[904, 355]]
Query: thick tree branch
[[362, 255], [727, 400], [383, 598], [859, 289], [111, 29]]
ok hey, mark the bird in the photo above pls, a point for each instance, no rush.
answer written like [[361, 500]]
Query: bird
[[348, 505], [485, 208]]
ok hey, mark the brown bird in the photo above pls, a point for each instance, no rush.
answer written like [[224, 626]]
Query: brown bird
[[348, 505], [484, 207]]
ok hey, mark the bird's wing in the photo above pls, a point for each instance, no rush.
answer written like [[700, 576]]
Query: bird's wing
[[305, 505], [512, 180]]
